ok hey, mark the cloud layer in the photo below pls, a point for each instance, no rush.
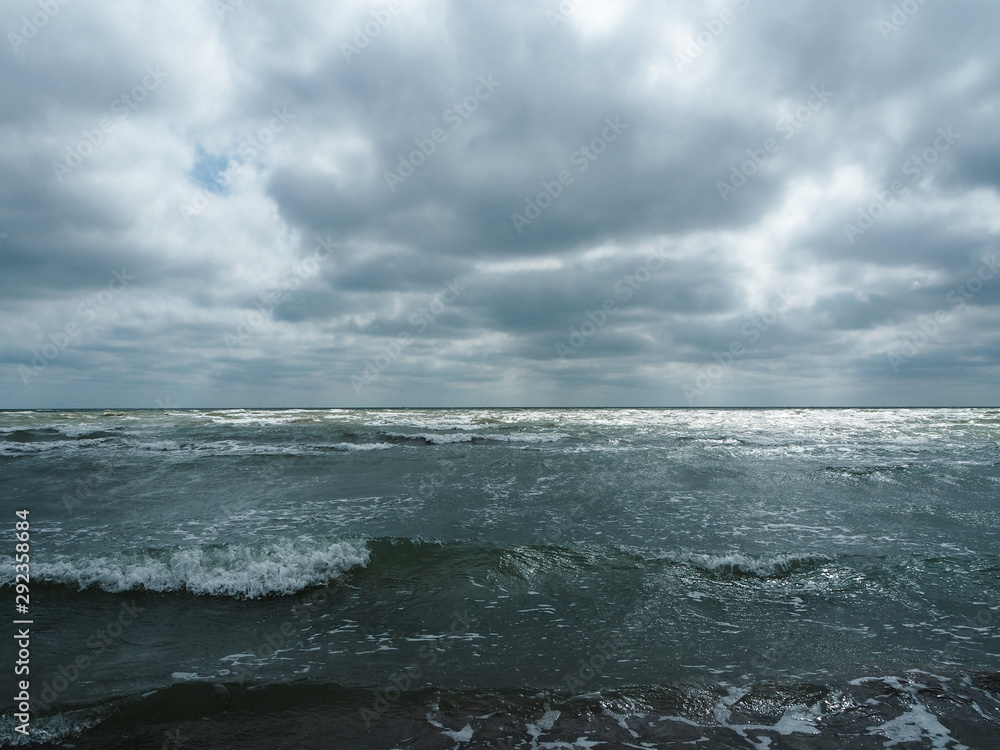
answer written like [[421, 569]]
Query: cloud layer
[[463, 203]]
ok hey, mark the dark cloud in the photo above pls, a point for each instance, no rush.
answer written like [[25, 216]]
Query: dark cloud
[[457, 203]]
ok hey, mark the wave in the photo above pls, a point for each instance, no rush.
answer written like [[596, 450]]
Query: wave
[[720, 439], [240, 571], [352, 447], [234, 447], [21, 442], [50, 434], [284, 568], [878, 473], [530, 561], [736, 564], [472, 437]]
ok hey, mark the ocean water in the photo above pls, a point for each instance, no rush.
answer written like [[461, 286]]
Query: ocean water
[[466, 578]]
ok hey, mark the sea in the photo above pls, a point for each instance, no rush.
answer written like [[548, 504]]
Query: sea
[[504, 578]]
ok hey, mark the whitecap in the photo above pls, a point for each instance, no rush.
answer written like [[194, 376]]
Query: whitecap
[[240, 571]]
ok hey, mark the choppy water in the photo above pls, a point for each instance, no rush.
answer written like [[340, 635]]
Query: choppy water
[[510, 578]]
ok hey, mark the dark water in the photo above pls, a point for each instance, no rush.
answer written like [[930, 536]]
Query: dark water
[[508, 578]]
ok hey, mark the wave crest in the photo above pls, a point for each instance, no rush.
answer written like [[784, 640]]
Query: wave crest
[[736, 564], [240, 571]]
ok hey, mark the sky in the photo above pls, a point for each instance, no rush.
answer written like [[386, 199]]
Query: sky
[[218, 203]]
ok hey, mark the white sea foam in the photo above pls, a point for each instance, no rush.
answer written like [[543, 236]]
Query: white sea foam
[[737, 563], [918, 723], [468, 437], [541, 726], [222, 447], [54, 728], [463, 735], [18, 449], [351, 447], [245, 572]]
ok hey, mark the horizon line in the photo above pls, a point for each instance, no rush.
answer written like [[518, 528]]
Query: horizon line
[[377, 408]]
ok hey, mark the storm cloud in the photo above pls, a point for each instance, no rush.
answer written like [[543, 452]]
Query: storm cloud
[[736, 202]]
